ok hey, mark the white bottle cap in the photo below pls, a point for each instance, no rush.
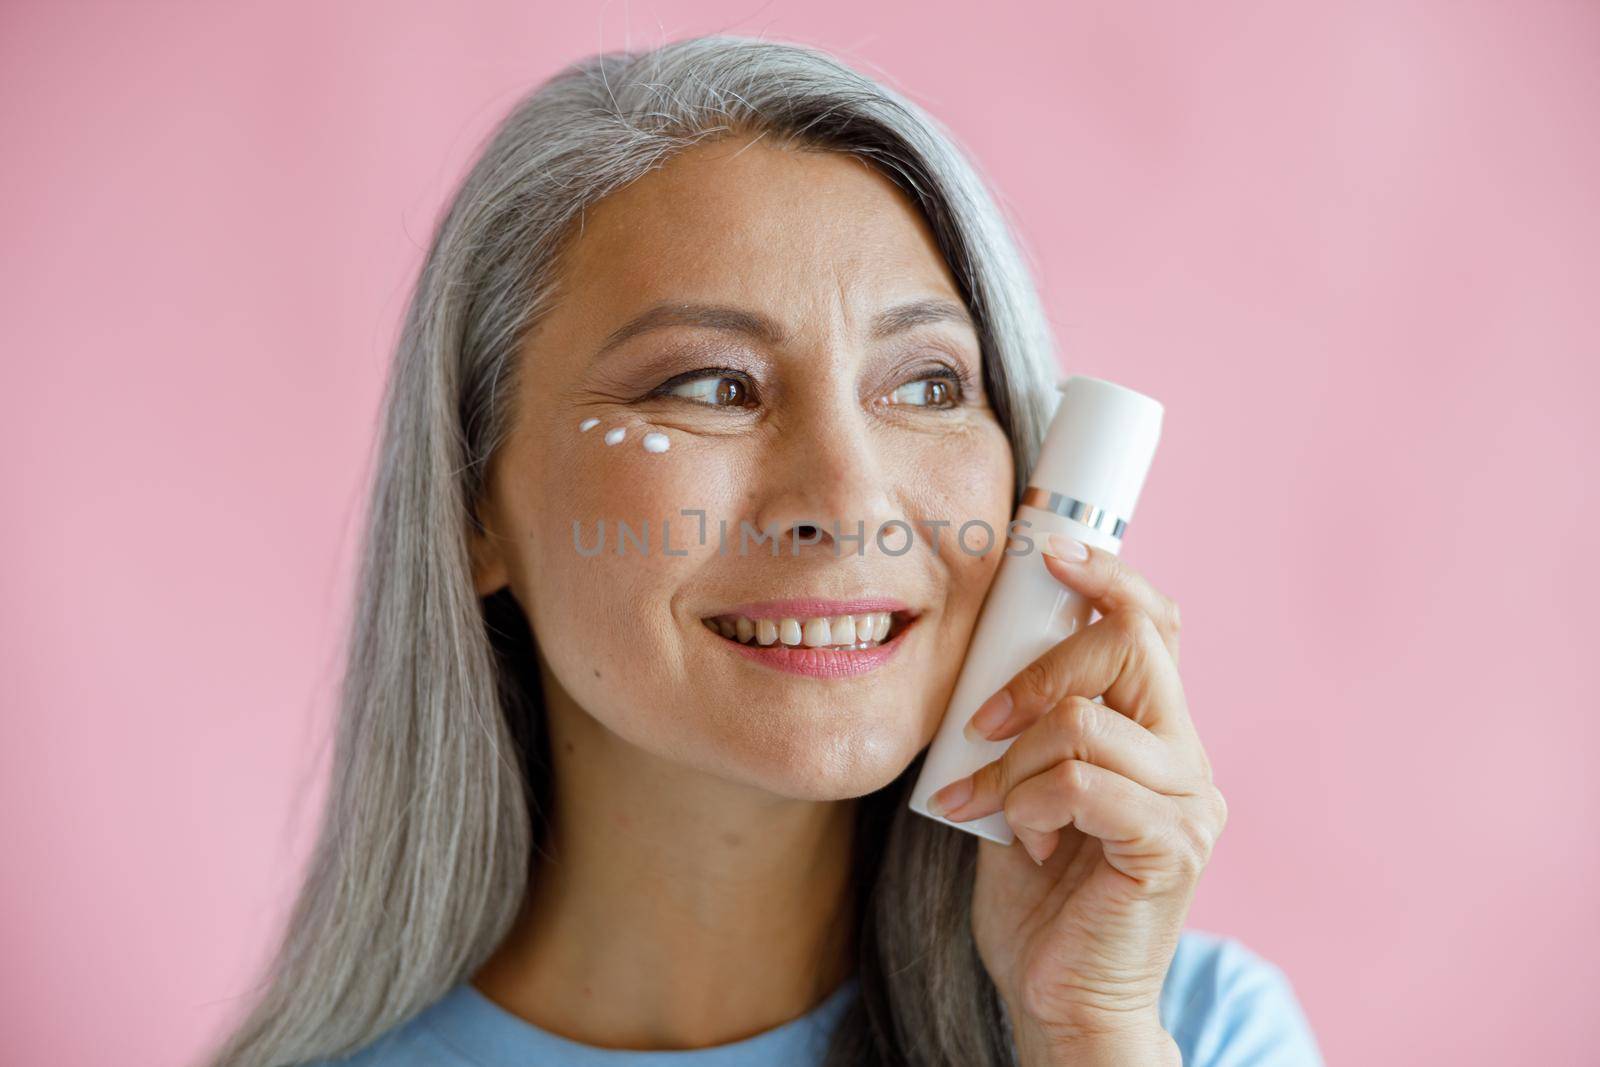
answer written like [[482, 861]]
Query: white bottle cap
[[1099, 445]]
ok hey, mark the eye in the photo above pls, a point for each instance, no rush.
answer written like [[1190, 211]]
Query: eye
[[940, 390], [716, 387]]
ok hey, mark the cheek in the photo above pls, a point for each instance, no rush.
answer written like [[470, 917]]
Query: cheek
[[962, 478], [965, 480], [636, 473], [605, 618], [599, 497]]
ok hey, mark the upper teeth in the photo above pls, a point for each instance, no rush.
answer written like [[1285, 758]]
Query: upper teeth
[[856, 630]]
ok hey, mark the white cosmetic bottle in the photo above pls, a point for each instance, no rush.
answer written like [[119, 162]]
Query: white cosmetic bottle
[[1091, 467]]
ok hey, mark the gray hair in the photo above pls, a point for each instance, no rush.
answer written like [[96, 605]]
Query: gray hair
[[435, 815]]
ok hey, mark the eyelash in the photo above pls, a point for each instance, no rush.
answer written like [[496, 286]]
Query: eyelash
[[937, 370], [941, 370], [695, 375]]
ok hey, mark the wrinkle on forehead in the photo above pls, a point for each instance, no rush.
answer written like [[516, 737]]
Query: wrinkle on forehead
[[758, 226]]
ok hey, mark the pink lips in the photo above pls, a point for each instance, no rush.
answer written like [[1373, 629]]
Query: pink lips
[[818, 662]]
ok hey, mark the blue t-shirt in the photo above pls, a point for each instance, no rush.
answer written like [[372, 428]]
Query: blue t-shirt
[[1223, 1005]]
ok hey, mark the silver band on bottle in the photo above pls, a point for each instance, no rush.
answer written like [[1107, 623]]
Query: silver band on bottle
[[1077, 510]]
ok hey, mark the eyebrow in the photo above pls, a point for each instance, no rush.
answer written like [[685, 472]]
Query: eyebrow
[[894, 320]]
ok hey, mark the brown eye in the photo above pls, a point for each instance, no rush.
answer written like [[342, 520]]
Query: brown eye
[[710, 388], [932, 392]]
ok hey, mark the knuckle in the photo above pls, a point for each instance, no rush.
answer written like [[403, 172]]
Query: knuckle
[[1191, 862], [1174, 623], [1136, 625], [1118, 573], [1204, 834], [1015, 808], [1036, 679], [1219, 808], [1124, 619], [1073, 722], [1195, 844], [1070, 777], [1084, 716]]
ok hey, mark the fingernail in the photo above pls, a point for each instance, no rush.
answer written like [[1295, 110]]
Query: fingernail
[[987, 719], [951, 797], [1067, 548], [1037, 862]]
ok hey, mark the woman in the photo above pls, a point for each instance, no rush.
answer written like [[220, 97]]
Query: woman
[[644, 800]]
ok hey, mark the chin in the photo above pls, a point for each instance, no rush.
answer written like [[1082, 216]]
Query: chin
[[818, 763]]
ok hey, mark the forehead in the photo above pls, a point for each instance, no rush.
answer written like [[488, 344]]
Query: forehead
[[741, 221]]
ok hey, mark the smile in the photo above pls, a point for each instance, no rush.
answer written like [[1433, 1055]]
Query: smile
[[815, 637], [823, 631]]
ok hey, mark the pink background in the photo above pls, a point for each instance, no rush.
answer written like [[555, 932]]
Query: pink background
[[1353, 247]]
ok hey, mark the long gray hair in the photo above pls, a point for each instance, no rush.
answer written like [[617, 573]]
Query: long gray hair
[[439, 797]]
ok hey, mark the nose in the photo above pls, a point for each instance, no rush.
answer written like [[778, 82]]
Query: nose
[[825, 478]]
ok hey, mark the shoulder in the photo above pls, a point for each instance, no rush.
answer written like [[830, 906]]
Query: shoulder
[[1226, 1006]]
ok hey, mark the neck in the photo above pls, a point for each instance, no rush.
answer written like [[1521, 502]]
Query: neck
[[670, 908]]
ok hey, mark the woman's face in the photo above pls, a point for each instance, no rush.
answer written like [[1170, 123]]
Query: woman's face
[[797, 403]]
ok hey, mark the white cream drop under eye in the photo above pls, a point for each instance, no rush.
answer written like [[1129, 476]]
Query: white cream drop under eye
[[588, 424], [615, 434], [656, 442]]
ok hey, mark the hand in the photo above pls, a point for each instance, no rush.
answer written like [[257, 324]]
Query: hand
[[1113, 803]]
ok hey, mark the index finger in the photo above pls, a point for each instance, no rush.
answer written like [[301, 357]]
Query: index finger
[[1108, 583], [1119, 657]]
